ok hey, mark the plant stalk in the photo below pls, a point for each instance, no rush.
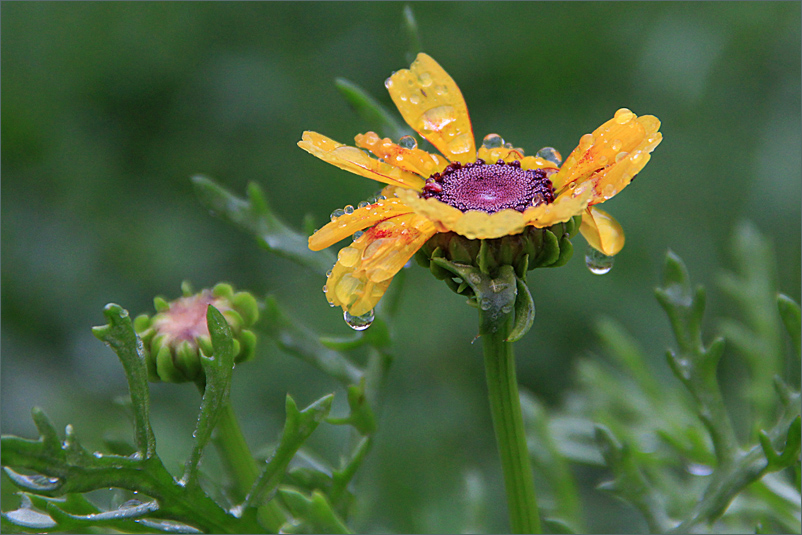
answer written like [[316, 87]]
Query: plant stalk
[[505, 406]]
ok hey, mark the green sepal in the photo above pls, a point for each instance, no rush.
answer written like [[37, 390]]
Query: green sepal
[[119, 334], [566, 252], [255, 216], [297, 428], [371, 111], [524, 312], [549, 250], [792, 319]]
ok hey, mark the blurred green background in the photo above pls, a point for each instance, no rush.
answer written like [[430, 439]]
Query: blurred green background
[[109, 108]]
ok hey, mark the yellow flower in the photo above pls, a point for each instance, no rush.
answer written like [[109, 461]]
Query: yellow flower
[[485, 194]]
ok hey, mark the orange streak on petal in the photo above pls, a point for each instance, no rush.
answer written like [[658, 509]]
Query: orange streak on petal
[[415, 161], [347, 224]]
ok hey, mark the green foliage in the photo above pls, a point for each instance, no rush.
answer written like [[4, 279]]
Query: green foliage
[[678, 458]]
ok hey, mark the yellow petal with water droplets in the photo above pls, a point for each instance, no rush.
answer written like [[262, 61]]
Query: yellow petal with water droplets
[[432, 104], [357, 161], [441, 214], [415, 161], [563, 208], [606, 147], [362, 218], [533, 162], [500, 153], [602, 231], [365, 268]]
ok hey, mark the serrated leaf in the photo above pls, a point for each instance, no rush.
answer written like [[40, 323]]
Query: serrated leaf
[[255, 216], [217, 372], [297, 428], [298, 340], [119, 334]]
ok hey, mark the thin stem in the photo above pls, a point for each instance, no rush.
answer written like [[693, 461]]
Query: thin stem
[[239, 462], [505, 406]]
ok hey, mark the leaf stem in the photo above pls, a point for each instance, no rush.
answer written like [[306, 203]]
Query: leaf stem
[[505, 406]]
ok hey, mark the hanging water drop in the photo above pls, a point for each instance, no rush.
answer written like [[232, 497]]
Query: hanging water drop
[[493, 141], [598, 263], [359, 323], [550, 154], [408, 142]]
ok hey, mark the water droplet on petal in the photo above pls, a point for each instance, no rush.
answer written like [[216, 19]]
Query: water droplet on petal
[[358, 234], [325, 288], [609, 191], [493, 141], [506, 309], [460, 144], [363, 204], [408, 142], [425, 79], [348, 256], [620, 156], [551, 154], [616, 144], [597, 262], [438, 118], [337, 213], [586, 141], [414, 99], [359, 323], [623, 116], [349, 209]]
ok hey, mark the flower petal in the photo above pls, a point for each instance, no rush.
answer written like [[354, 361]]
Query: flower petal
[[500, 153], [365, 268], [564, 207], [357, 161], [432, 104], [624, 141], [473, 224], [360, 219], [602, 232], [415, 161]]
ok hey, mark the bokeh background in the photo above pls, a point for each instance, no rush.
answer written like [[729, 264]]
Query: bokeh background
[[109, 108]]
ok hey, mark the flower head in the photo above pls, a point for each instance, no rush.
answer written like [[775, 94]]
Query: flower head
[[482, 194], [178, 333]]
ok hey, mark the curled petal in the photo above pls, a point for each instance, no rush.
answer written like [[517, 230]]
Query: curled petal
[[609, 147], [362, 218], [563, 208], [602, 232], [415, 161], [365, 268], [432, 104], [357, 161]]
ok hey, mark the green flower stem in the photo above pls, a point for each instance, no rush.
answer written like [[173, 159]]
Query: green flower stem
[[237, 458], [505, 406]]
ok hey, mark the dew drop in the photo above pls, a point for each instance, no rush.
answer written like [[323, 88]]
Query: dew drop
[[349, 209], [616, 145], [699, 469], [460, 144], [493, 141], [358, 234], [620, 156], [608, 191], [414, 99], [551, 154], [474, 278], [485, 303], [408, 142], [337, 213], [623, 116], [328, 274], [363, 204], [597, 262], [359, 323], [436, 119], [325, 288], [425, 79], [506, 309], [441, 90], [586, 141]]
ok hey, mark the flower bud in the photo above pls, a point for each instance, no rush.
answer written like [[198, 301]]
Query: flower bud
[[176, 336]]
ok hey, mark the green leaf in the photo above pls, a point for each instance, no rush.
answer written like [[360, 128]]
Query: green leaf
[[298, 340], [524, 311], [314, 512], [217, 371], [297, 428], [374, 114], [119, 334], [255, 216], [779, 460], [792, 319], [361, 415]]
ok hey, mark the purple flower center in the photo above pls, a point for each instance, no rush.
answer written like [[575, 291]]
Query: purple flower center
[[490, 187]]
